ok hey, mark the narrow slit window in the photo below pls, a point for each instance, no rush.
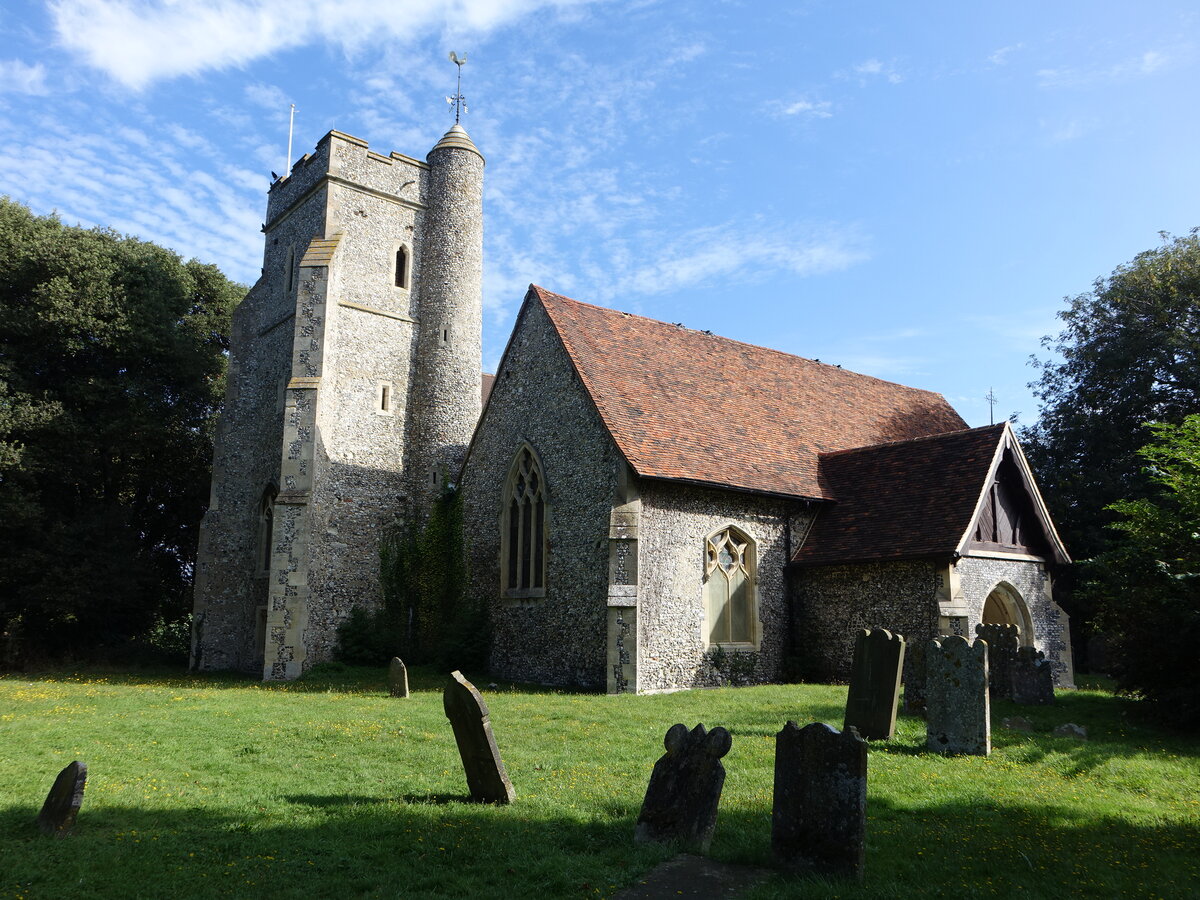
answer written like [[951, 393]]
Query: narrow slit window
[[401, 268], [383, 399]]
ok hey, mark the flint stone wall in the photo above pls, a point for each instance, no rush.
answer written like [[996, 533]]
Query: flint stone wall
[[834, 602], [978, 576], [537, 398], [676, 520], [326, 541]]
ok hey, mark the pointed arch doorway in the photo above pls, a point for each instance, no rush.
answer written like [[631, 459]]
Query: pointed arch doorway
[[1005, 606]]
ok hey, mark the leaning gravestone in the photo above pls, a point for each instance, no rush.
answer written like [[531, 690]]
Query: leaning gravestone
[[1003, 642], [685, 788], [397, 678], [1032, 678], [875, 684], [819, 819], [957, 697], [469, 717], [62, 803]]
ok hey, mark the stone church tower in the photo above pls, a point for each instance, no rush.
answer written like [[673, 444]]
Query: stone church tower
[[354, 387]]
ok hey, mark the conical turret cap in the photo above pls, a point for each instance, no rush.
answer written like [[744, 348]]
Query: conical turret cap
[[457, 139]]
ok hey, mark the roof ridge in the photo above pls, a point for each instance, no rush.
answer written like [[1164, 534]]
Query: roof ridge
[[720, 337], [924, 437]]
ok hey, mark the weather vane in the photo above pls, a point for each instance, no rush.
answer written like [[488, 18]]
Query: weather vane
[[458, 101], [991, 399]]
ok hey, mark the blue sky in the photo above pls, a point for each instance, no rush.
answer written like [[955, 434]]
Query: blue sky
[[908, 190]]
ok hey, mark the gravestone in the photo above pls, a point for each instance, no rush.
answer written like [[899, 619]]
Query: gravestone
[[62, 803], [397, 678], [819, 819], [914, 678], [470, 719], [875, 684], [957, 697], [1071, 730], [1002, 642], [1032, 678], [685, 788]]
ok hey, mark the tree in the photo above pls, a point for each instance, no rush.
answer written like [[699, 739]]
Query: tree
[[112, 362], [1147, 587], [1130, 353]]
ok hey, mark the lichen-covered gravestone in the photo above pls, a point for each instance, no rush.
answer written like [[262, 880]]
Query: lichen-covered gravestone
[[62, 803], [956, 690], [1002, 642], [1032, 678], [471, 721], [819, 819], [875, 684], [397, 678], [685, 788]]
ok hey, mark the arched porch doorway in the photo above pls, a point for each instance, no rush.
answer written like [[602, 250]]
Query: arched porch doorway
[[1005, 606]]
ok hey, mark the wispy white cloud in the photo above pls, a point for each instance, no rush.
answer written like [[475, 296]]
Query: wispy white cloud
[[127, 39], [808, 109], [17, 77], [1000, 57], [1139, 66], [872, 68]]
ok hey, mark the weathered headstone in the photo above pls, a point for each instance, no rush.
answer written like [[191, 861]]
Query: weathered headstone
[[875, 684], [1032, 678], [1018, 723], [1071, 730], [471, 721], [62, 803], [1002, 642], [685, 788], [397, 678], [914, 678], [957, 697], [819, 819]]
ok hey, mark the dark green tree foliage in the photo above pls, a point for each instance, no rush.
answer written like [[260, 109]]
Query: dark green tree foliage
[[1147, 587], [112, 362], [1130, 354], [427, 616]]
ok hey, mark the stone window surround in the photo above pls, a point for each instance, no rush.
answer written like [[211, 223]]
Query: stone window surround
[[750, 558], [519, 595], [266, 527], [289, 271], [406, 281]]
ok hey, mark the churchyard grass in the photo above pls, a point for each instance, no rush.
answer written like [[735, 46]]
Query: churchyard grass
[[212, 787]]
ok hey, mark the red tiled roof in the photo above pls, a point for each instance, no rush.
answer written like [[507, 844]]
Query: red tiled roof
[[901, 501], [687, 405]]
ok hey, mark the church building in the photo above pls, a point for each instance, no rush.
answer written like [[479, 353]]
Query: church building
[[647, 507]]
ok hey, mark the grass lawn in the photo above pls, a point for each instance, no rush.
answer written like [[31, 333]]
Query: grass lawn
[[327, 787]]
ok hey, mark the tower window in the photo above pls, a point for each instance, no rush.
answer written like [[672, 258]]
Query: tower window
[[383, 399], [266, 531], [289, 274], [523, 531], [401, 267]]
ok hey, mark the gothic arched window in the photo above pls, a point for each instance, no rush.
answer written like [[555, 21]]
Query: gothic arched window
[[729, 596], [523, 529]]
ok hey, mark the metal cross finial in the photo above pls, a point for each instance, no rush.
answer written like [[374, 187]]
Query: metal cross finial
[[991, 399], [458, 101]]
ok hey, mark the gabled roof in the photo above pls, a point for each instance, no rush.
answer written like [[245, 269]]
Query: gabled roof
[[691, 406], [914, 499]]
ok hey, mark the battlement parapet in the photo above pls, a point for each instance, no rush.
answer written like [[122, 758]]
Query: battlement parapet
[[348, 160]]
